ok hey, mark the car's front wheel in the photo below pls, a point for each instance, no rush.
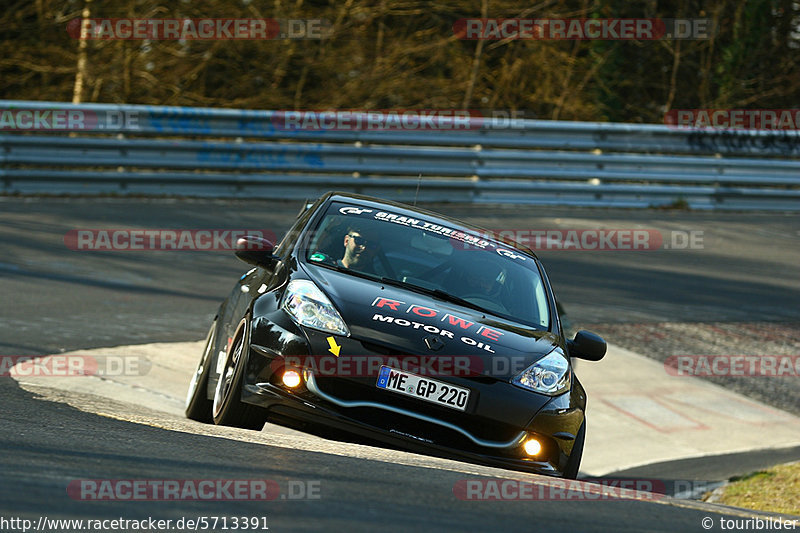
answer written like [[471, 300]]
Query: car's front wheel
[[228, 408]]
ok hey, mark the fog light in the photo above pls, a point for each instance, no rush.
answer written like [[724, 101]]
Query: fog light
[[291, 379], [532, 447]]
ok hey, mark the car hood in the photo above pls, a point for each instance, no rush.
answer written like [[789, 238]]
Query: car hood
[[403, 321]]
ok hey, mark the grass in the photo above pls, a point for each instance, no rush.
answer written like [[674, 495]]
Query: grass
[[775, 490]]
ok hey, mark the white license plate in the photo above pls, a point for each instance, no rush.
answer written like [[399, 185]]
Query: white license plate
[[431, 390]]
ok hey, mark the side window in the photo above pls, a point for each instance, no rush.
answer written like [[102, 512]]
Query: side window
[[541, 304], [329, 236]]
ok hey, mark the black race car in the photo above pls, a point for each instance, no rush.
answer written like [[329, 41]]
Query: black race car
[[394, 324]]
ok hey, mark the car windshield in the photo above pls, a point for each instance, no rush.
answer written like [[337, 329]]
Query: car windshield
[[429, 257]]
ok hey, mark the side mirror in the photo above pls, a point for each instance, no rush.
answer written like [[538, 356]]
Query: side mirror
[[587, 345], [256, 251]]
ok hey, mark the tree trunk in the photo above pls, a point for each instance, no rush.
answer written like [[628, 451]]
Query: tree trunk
[[81, 71]]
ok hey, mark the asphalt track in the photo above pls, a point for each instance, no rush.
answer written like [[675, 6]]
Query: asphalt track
[[41, 458], [55, 299]]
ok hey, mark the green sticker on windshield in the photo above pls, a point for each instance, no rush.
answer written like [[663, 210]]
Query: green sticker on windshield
[[317, 257]]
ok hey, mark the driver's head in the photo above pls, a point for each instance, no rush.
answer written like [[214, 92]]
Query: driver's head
[[483, 276], [356, 245]]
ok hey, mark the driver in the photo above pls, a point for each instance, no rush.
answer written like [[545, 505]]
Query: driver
[[359, 249]]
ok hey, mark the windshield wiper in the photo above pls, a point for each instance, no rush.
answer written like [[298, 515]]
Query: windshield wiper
[[436, 293]]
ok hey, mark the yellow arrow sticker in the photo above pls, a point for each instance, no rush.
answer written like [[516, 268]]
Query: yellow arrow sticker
[[334, 348]]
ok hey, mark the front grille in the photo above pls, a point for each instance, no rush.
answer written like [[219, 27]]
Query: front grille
[[410, 426]]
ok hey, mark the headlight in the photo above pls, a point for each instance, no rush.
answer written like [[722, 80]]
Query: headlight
[[309, 307], [549, 375]]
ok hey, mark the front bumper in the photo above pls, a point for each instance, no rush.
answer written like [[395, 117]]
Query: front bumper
[[285, 405], [491, 432]]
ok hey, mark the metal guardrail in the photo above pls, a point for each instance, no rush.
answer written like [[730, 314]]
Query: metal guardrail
[[127, 149]]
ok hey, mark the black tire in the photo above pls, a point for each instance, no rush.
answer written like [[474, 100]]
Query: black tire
[[574, 462], [227, 409], [198, 406]]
